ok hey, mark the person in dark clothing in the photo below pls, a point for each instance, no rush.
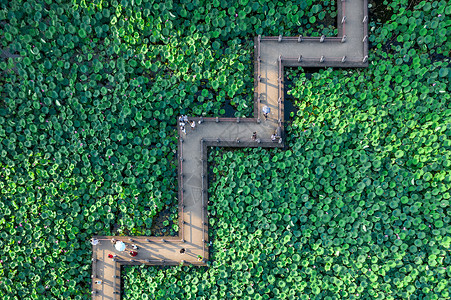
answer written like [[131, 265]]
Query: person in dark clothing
[[254, 136]]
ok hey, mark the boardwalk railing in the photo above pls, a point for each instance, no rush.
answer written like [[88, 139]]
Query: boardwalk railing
[[116, 291], [181, 191], [267, 143]]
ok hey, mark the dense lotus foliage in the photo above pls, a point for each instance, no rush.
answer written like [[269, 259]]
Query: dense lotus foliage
[[89, 94], [357, 207]]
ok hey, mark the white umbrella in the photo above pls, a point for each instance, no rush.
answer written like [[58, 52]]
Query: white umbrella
[[266, 109], [120, 246]]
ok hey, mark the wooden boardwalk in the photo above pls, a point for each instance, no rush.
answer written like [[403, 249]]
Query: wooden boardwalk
[[271, 55]]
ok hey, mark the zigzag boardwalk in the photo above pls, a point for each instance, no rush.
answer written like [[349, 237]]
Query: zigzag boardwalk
[[271, 55]]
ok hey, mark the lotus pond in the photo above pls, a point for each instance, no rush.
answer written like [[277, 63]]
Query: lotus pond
[[356, 207]]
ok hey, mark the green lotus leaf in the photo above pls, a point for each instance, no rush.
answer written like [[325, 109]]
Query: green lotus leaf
[[443, 72]]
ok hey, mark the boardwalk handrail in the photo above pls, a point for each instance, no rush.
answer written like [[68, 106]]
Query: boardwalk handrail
[[280, 92], [203, 178], [259, 76], [365, 28], [114, 282], [94, 267], [304, 38], [245, 144], [181, 201], [312, 59]]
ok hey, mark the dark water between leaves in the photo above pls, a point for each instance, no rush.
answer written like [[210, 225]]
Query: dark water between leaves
[[158, 228], [229, 109]]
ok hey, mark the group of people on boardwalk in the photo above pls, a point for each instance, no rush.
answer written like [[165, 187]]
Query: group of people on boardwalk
[[122, 247], [183, 120], [275, 137]]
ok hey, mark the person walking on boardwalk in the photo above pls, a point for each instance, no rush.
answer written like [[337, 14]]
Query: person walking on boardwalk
[[133, 253], [94, 241], [193, 125], [254, 136], [182, 251], [266, 110]]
